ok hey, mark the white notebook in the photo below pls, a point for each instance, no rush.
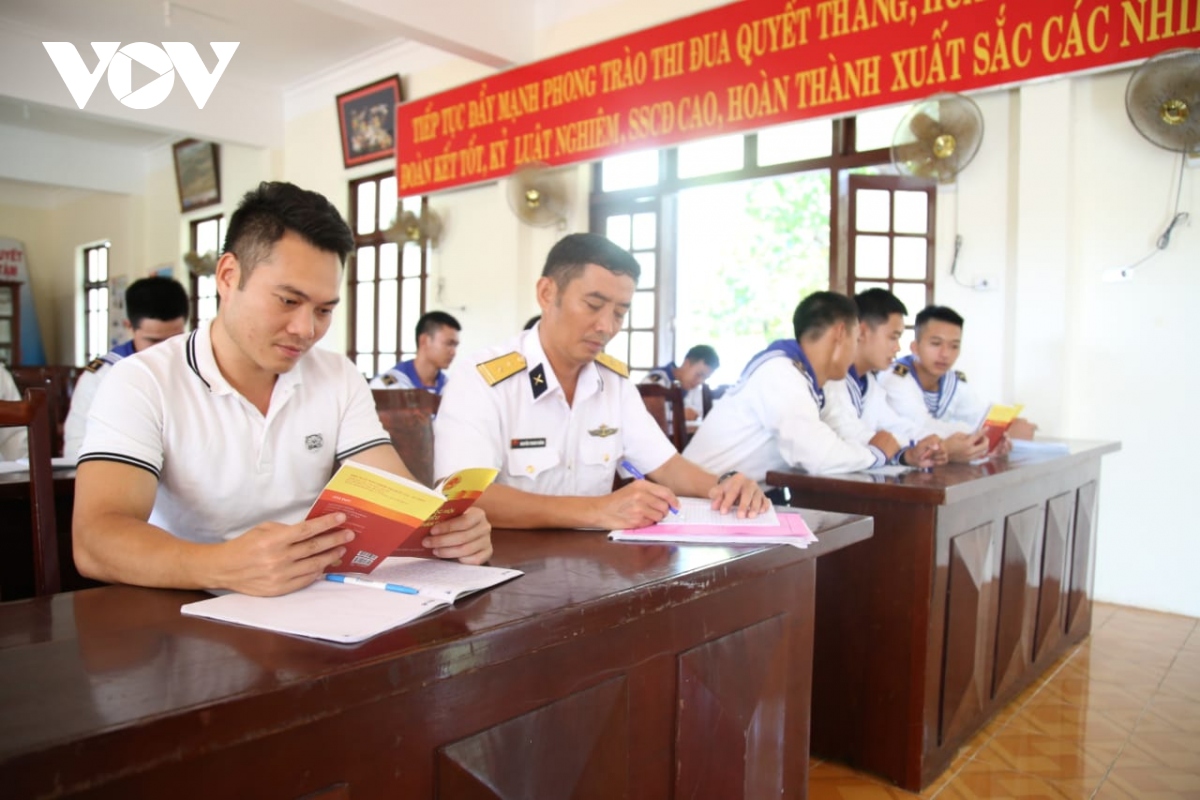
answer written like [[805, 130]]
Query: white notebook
[[345, 613]]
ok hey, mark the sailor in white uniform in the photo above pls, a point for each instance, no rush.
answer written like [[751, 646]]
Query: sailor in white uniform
[[925, 388], [771, 419], [437, 343], [699, 363], [156, 308], [557, 416], [855, 406]]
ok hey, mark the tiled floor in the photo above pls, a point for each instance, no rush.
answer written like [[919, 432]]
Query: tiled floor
[[1116, 718]]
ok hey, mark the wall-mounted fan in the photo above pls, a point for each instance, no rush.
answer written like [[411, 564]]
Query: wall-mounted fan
[[420, 228], [1163, 100], [938, 137], [539, 194], [1163, 103], [201, 264]]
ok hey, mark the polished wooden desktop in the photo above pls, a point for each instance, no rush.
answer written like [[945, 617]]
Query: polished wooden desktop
[[976, 579], [607, 671]]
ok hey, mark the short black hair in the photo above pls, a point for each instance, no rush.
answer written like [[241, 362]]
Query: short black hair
[[876, 305], [704, 353], [156, 297], [940, 313], [575, 251], [274, 208], [432, 320], [820, 311], [529, 323]]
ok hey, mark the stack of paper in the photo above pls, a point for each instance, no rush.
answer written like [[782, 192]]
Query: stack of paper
[[698, 523]]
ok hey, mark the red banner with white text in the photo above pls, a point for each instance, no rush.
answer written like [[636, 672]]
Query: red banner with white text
[[756, 63]]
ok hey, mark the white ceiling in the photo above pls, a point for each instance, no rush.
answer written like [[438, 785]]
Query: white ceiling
[[283, 44]]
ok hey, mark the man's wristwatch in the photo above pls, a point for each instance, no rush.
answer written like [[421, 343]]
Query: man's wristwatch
[[729, 474]]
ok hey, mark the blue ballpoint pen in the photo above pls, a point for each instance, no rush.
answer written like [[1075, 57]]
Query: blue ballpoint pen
[[354, 580], [632, 470]]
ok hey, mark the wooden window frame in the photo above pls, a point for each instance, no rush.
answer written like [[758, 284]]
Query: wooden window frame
[[893, 184], [194, 280], [843, 160], [88, 355], [376, 239]]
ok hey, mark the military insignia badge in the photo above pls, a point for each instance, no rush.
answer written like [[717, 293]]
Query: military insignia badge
[[603, 431], [314, 441], [389, 379], [95, 364], [537, 381], [961, 376], [900, 370]]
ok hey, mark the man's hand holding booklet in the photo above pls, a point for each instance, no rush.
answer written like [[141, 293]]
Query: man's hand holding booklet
[[391, 515]]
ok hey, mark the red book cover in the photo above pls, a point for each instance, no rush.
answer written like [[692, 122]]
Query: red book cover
[[390, 514]]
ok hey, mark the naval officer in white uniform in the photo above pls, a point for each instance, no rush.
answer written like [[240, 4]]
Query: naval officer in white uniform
[[557, 416]]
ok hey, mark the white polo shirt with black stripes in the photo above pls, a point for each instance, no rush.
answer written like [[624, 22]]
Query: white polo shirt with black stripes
[[222, 467]]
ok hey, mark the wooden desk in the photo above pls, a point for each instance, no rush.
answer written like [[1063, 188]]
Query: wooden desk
[[976, 579], [607, 671]]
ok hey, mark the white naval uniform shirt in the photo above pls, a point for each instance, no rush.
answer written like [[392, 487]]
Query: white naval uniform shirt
[[525, 428], [857, 415], [223, 467], [771, 420], [958, 410], [85, 392], [14, 442]]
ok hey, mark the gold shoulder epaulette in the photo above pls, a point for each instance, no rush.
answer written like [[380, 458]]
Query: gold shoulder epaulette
[[497, 369], [901, 370], [962, 376], [616, 365], [95, 364]]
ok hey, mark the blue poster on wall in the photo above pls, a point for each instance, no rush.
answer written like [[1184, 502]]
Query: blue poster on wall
[[12, 268]]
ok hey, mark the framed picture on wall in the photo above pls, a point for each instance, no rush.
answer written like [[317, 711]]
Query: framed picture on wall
[[197, 174], [367, 118]]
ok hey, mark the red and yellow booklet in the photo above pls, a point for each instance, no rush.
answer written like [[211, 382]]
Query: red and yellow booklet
[[390, 515], [996, 422]]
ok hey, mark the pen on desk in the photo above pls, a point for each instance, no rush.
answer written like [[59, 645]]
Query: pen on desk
[[354, 580], [632, 470]]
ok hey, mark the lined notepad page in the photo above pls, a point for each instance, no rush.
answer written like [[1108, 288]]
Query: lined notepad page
[[697, 511]]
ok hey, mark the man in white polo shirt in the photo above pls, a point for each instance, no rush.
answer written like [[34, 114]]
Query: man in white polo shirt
[[203, 454]]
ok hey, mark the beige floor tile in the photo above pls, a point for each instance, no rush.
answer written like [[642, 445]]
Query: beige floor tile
[[982, 782], [1116, 718], [1167, 713], [1050, 757]]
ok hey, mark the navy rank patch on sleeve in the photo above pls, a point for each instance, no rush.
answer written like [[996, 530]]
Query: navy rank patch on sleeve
[[497, 369], [616, 365], [95, 364], [901, 370]]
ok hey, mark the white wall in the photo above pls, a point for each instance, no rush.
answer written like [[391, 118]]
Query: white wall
[[1063, 190]]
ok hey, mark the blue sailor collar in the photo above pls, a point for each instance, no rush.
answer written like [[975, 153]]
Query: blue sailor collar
[[947, 386], [791, 349], [857, 386], [123, 350], [409, 368]]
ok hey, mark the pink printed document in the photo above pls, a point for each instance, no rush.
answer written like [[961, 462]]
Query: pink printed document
[[784, 528]]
